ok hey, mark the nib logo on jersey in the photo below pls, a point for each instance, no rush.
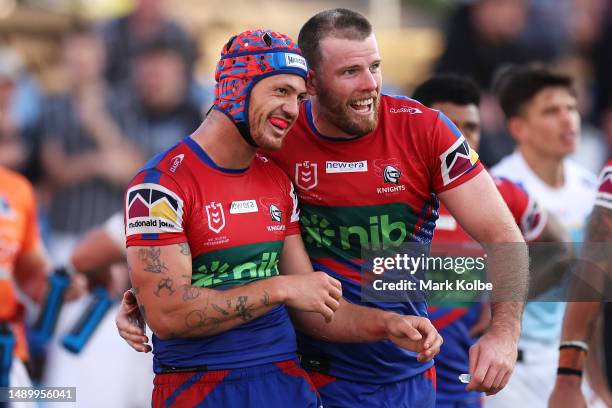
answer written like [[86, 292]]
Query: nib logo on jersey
[[378, 231], [457, 160], [153, 209], [390, 170]]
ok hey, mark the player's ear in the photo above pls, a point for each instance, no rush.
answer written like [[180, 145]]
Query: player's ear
[[311, 80], [517, 128]]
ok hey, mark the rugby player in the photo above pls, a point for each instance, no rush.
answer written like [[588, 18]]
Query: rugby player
[[540, 107], [209, 224], [458, 98], [369, 169], [581, 316]]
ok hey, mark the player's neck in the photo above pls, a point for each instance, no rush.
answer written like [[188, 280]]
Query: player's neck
[[548, 169], [222, 142], [324, 126]]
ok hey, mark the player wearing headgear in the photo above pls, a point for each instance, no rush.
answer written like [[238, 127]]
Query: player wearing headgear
[[209, 224], [205, 225]]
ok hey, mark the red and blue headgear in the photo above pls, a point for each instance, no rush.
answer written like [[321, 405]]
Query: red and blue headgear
[[246, 59]]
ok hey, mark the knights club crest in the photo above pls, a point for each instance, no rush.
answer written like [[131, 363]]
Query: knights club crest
[[306, 175], [216, 217]]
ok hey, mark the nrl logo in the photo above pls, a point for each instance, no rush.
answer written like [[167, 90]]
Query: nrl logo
[[306, 175], [275, 213], [391, 175], [216, 217]]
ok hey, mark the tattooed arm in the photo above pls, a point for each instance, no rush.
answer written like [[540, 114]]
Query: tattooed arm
[[172, 307]]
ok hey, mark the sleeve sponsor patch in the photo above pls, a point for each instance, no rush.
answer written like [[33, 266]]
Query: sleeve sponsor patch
[[152, 209], [604, 192], [457, 160]]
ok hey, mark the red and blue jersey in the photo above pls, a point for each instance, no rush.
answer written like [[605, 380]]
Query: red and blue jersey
[[454, 323], [235, 222], [373, 192], [604, 192]]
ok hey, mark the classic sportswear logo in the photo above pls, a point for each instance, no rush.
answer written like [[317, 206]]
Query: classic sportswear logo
[[152, 208], [215, 216], [457, 160], [346, 167], [406, 109], [176, 161], [306, 175]]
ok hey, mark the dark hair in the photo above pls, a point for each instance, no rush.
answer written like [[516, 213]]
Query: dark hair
[[456, 89], [516, 86], [339, 22]]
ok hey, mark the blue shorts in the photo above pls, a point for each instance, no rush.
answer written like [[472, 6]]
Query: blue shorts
[[415, 392], [276, 385]]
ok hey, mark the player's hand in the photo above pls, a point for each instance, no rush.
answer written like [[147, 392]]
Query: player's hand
[[492, 360], [313, 292], [415, 334], [567, 393], [130, 323]]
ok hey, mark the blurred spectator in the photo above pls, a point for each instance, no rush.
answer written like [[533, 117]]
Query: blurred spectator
[[160, 112], [125, 35], [602, 67], [85, 157], [12, 149], [483, 35]]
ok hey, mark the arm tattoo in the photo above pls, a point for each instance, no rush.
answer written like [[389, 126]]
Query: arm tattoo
[[190, 293], [150, 257], [184, 248], [242, 311], [220, 309], [196, 319], [165, 283], [265, 300]]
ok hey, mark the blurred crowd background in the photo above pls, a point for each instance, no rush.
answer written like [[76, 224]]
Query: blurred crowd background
[[89, 89]]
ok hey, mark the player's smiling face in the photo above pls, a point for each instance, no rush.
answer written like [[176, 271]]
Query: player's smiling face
[[347, 85], [273, 108]]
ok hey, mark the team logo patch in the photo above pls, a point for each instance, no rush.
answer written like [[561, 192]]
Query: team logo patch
[[391, 175], [275, 213], [306, 175], [215, 216], [153, 209], [457, 160]]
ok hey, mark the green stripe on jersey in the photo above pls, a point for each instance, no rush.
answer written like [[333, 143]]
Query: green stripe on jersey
[[343, 231], [238, 265]]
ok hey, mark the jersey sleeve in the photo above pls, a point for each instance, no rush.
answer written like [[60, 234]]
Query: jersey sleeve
[[155, 210], [528, 214], [453, 161], [604, 192]]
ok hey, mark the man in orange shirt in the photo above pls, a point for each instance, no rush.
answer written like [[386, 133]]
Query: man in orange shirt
[[23, 263]]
